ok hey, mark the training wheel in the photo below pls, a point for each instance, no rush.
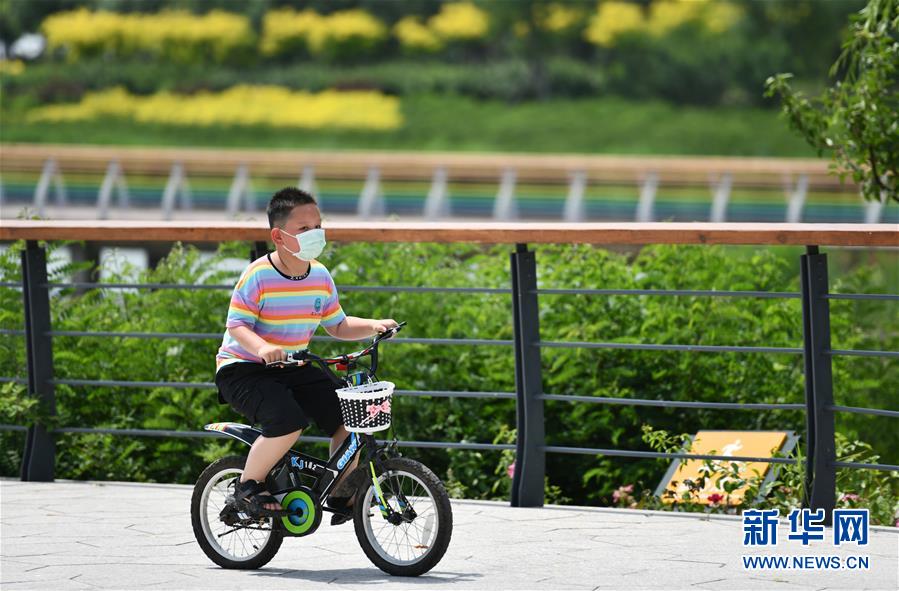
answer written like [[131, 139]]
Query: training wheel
[[307, 512]]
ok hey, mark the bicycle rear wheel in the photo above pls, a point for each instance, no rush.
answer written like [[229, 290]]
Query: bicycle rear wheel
[[229, 539], [415, 544]]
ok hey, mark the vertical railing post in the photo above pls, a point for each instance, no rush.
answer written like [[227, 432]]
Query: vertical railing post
[[821, 452], [530, 456], [38, 460], [260, 249]]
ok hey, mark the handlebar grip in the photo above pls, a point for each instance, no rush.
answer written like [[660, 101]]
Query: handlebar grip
[[300, 355], [389, 332], [283, 363]]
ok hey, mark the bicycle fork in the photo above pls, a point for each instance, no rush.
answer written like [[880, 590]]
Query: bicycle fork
[[408, 513]]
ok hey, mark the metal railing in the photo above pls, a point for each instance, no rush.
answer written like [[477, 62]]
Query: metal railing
[[530, 447]]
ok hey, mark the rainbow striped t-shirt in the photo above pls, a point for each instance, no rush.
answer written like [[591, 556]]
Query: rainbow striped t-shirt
[[282, 310]]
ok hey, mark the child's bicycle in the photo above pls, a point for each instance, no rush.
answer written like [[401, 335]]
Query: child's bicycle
[[401, 511]]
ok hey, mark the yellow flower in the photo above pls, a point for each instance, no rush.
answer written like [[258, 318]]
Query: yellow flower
[[616, 17], [241, 105], [715, 17], [462, 21], [413, 34], [665, 15], [283, 28], [347, 26], [82, 30], [557, 18], [721, 16], [177, 34], [612, 19], [114, 102]]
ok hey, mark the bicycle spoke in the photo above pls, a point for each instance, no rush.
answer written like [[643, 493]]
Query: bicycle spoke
[[408, 541], [418, 486], [239, 542], [396, 542], [420, 531], [386, 525]]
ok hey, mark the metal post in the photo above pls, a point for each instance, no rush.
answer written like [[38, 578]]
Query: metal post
[[40, 450], [797, 199], [647, 197], [371, 199], [874, 210], [43, 186], [172, 187], [307, 181], [720, 197], [114, 181], [504, 207], [530, 456], [437, 202], [260, 249], [575, 208], [821, 453], [239, 187]]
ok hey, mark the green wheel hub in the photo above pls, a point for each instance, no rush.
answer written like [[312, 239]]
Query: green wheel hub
[[307, 513]]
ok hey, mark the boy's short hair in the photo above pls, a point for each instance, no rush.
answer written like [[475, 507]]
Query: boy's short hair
[[283, 202]]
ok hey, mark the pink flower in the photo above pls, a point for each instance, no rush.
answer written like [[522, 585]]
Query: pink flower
[[622, 493], [851, 497], [715, 498], [511, 470]]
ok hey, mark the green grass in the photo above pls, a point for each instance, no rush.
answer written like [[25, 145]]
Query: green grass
[[454, 123]]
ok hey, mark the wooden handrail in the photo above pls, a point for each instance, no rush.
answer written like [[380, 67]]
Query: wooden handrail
[[553, 168], [486, 233]]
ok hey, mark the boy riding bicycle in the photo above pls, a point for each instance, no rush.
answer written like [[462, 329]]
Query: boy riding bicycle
[[277, 304]]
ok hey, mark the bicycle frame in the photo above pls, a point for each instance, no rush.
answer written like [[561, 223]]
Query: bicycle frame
[[285, 476]]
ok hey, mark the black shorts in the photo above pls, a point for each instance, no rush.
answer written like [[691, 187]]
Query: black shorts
[[281, 400]]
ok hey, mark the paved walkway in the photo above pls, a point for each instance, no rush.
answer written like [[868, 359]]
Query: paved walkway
[[78, 535]]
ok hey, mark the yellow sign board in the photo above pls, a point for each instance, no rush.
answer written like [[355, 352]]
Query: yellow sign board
[[756, 444]]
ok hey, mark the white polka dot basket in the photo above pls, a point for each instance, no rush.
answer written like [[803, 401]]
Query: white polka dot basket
[[366, 408]]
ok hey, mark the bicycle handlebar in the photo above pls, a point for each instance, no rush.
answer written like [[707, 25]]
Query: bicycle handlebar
[[304, 356]]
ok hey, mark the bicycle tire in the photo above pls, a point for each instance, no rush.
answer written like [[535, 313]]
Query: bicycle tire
[[203, 528], [365, 509]]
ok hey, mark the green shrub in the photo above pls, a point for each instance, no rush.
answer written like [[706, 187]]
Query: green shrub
[[507, 79]]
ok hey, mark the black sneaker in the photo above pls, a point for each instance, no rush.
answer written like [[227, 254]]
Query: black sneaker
[[339, 518], [337, 502], [340, 504]]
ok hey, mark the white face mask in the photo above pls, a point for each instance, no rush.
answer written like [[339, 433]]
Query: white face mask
[[312, 243]]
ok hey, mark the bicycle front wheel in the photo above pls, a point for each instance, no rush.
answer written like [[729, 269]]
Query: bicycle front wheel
[[420, 532]]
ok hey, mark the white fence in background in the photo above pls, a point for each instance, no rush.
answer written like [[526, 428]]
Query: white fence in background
[[372, 204]]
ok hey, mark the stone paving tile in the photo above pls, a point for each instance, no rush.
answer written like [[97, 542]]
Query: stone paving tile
[[53, 537]]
